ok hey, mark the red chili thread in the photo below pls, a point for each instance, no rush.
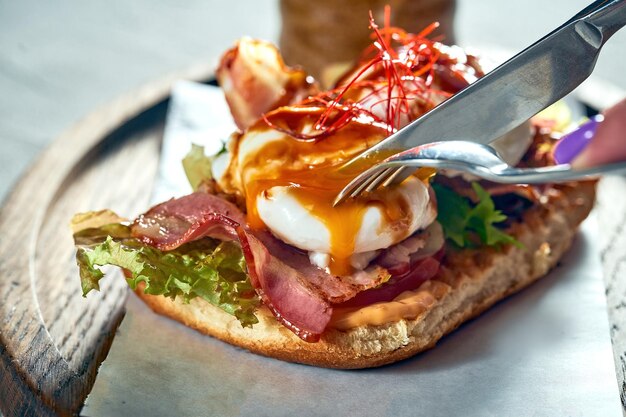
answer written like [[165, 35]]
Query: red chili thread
[[400, 62]]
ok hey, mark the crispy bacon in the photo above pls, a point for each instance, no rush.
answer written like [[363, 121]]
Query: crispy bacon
[[398, 257], [285, 291], [249, 94], [177, 221], [333, 288], [401, 257], [418, 272]]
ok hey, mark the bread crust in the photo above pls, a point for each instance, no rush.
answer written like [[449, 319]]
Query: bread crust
[[469, 282]]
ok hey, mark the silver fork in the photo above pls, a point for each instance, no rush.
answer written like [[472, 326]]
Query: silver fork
[[473, 158]]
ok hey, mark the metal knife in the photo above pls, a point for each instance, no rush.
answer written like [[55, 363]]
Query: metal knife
[[516, 90]]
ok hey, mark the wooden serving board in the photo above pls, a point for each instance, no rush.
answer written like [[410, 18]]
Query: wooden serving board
[[51, 339]]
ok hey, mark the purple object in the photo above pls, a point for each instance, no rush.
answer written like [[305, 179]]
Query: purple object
[[572, 144]]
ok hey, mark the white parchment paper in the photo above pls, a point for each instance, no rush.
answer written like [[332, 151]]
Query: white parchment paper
[[542, 352]]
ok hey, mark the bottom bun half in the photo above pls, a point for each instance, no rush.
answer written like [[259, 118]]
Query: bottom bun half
[[469, 282]]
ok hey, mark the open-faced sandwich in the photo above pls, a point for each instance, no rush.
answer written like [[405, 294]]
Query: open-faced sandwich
[[258, 256]]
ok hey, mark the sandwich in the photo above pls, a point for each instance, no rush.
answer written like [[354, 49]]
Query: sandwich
[[259, 257]]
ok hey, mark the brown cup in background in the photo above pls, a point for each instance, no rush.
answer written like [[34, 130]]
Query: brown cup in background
[[317, 34]]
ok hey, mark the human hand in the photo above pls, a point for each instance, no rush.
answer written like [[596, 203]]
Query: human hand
[[609, 141]]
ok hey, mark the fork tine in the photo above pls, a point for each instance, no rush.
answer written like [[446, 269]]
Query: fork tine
[[399, 175], [369, 177], [368, 181], [357, 185], [376, 180], [391, 178]]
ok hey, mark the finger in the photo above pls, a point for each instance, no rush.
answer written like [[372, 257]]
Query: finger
[[609, 142]]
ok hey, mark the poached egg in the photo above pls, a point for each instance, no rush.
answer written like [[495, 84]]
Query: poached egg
[[289, 185]]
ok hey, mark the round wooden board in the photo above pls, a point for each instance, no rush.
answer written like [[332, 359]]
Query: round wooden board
[[51, 339]]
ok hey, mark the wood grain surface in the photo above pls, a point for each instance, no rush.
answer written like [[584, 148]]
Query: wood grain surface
[[611, 212], [51, 339]]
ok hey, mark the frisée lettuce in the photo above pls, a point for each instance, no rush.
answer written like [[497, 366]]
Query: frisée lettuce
[[197, 166], [210, 269], [470, 225]]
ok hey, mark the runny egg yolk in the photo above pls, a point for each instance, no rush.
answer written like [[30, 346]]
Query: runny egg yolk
[[308, 171]]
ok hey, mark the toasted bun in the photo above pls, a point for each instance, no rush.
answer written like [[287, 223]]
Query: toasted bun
[[469, 282]]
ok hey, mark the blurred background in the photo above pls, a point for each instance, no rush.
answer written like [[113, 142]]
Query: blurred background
[[60, 60]]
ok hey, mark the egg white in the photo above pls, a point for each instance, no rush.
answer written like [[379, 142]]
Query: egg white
[[291, 222]]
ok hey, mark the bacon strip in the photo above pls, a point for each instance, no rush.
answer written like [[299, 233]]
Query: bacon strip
[[422, 270], [284, 290], [248, 94], [399, 259], [332, 288], [168, 225]]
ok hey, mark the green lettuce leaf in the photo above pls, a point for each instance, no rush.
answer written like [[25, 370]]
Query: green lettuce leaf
[[470, 225], [212, 270], [197, 166], [95, 220]]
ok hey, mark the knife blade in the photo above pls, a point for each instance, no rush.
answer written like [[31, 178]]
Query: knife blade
[[518, 89]]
